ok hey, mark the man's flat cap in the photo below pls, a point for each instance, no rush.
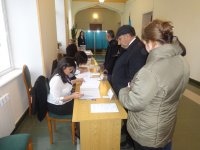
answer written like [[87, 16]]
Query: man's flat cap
[[125, 29]]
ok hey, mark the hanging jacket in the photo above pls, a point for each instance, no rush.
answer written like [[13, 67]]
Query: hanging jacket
[[39, 97]]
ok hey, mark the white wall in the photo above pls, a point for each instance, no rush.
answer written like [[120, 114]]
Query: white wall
[[67, 21], [70, 18], [47, 24], [33, 45], [136, 9], [24, 35], [108, 18], [185, 18], [60, 23], [32, 28], [26, 49], [18, 97], [77, 6]]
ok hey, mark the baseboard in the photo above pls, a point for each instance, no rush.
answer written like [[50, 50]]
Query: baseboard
[[194, 83], [20, 121]]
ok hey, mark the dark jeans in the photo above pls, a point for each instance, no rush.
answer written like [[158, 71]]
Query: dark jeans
[[168, 146], [124, 131], [137, 146], [65, 109]]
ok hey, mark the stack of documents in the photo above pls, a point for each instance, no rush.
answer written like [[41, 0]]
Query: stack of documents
[[88, 52], [84, 75], [90, 89]]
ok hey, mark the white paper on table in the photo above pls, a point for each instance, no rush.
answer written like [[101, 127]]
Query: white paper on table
[[91, 80], [105, 97], [90, 94], [83, 75], [104, 108], [95, 74], [88, 52], [110, 93], [90, 84]]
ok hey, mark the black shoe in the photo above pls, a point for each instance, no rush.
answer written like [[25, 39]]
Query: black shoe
[[126, 145]]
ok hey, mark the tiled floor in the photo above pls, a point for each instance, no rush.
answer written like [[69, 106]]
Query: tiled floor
[[187, 133], [186, 136], [40, 136]]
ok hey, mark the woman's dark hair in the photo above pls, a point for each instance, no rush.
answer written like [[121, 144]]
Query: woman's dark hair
[[80, 34], [71, 50], [62, 64], [160, 31], [111, 33], [81, 58]]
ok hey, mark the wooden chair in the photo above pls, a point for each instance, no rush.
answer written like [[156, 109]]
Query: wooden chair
[[59, 118], [16, 142], [51, 117], [27, 82]]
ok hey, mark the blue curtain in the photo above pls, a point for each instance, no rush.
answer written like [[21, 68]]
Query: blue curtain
[[89, 39], [100, 40]]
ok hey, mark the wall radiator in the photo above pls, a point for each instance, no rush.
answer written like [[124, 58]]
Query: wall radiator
[[7, 124]]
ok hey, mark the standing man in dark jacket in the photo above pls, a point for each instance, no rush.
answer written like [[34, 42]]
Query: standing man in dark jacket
[[132, 59], [111, 54], [128, 63]]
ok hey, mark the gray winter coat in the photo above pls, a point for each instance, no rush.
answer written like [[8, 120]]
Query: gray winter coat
[[153, 96]]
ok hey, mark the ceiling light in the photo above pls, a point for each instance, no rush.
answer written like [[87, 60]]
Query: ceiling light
[[101, 1], [95, 16]]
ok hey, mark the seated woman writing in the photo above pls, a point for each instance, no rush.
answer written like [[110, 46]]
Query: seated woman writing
[[60, 99]]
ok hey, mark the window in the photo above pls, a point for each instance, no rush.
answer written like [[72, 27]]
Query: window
[[5, 59]]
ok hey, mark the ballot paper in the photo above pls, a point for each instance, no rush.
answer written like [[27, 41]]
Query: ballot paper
[[90, 94], [88, 52], [110, 94], [90, 89], [87, 76], [84, 75], [104, 108], [95, 74], [90, 84]]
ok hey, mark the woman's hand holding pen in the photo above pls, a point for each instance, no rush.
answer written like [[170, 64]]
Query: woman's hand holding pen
[[77, 95]]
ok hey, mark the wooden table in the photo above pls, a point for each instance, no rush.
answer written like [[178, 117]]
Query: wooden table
[[99, 131]]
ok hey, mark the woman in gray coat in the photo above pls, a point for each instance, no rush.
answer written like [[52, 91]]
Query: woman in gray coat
[[153, 95]]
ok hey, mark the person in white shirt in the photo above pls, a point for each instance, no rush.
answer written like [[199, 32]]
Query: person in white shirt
[[60, 99]]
